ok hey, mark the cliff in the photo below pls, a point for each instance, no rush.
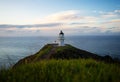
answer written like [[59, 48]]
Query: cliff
[[53, 51]]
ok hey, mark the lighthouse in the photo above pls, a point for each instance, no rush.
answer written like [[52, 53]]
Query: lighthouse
[[61, 38]]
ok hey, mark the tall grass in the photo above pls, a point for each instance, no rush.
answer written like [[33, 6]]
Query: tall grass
[[80, 70]]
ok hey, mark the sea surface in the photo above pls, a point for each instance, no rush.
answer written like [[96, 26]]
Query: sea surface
[[13, 49]]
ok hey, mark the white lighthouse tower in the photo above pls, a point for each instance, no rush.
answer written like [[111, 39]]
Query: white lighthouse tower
[[61, 38]]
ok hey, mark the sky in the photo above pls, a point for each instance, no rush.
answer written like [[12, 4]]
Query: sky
[[48, 17]]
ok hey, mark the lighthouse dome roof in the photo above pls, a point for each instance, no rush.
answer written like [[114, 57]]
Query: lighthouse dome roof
[[61, 32]]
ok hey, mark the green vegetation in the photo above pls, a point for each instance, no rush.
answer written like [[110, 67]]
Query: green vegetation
[[45, 50], [52, 51], [77, 70], [36, 57], [62, 64]]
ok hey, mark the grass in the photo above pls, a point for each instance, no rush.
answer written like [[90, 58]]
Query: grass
[[77, 70], [44, 51]]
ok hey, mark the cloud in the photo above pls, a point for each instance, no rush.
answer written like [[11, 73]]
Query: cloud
[[30, 26], [117, 11], [109, 15], [115, 21], [65, 15], [112, 14], [72, 22], [69, 16]]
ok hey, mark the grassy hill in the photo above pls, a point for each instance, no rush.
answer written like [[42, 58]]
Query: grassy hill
[[63, 64], [74, 70], [52, 51]]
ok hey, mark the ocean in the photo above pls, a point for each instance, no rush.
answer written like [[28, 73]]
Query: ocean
[[13, 49]]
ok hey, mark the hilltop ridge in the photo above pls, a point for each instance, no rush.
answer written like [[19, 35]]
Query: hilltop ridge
[[53, 51]]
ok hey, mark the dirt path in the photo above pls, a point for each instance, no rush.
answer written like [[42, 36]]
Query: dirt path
[[47, 56], [50, 53]]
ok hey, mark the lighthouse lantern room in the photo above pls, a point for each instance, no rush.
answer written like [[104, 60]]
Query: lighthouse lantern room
[[61, 38]]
